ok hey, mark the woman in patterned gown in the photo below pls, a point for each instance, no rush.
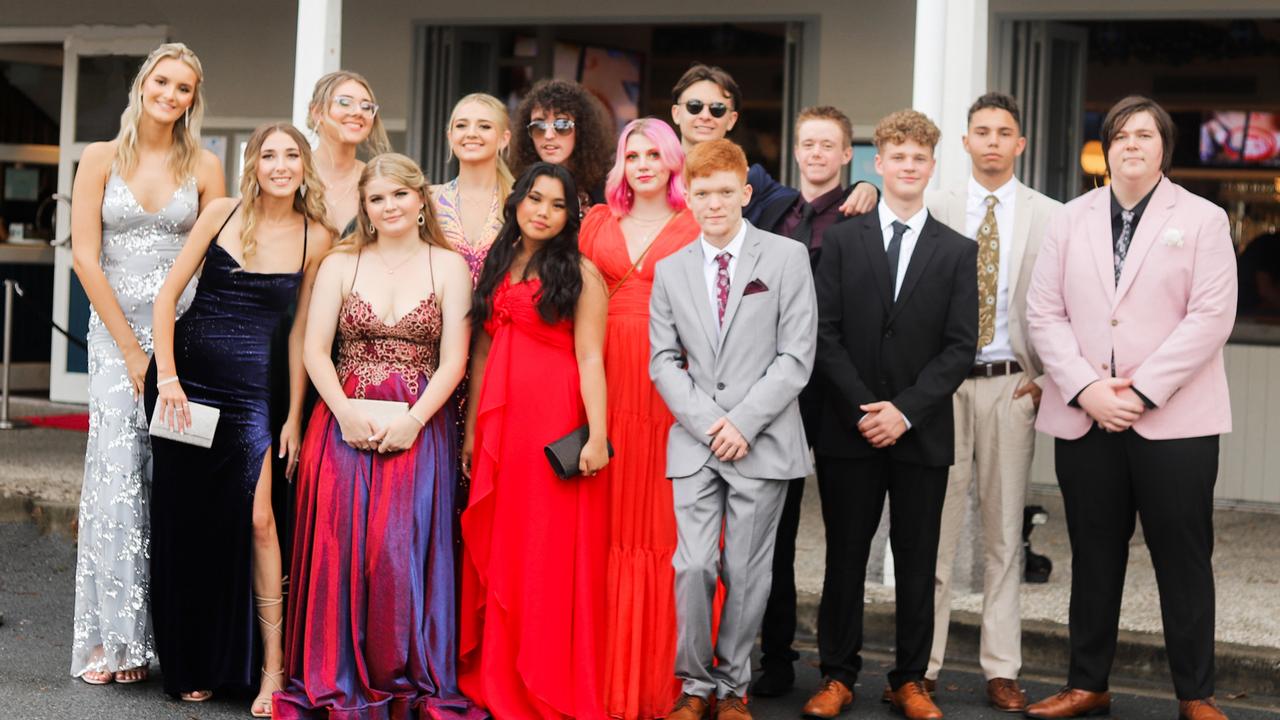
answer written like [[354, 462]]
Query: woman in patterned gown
[[121, 252], [470, 205], [214, 550], [372, 622], [644, 221]]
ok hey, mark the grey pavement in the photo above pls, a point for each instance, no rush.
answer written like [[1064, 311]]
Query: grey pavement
[[36, 578]]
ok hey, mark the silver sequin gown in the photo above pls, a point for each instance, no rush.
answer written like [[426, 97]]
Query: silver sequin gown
[[138, 249]]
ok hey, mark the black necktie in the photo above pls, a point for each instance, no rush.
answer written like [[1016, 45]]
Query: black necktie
[[804, 231], [895, 246]]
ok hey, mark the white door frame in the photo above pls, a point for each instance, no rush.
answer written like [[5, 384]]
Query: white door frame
[[77, 41]]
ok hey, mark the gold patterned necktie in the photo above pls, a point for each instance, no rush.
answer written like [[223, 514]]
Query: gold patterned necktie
[[988, 273]]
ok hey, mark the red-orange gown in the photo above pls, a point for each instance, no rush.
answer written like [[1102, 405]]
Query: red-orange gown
[[532, 600], [640, 646]]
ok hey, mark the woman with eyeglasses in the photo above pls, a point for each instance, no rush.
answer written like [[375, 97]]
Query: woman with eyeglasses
[[644, 221], [470, 206], [344, 114], [134, 202], [563, 124]]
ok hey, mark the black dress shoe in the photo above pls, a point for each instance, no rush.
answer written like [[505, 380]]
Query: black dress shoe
[[774, 681]]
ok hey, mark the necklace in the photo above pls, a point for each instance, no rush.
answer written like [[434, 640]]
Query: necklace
[[647, 240], [391, 269]]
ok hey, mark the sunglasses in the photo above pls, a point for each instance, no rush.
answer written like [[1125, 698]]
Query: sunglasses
[[718, 109], [346, 102], [560, 125]]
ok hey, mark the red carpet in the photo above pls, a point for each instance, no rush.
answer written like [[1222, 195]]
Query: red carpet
[[78, 421]]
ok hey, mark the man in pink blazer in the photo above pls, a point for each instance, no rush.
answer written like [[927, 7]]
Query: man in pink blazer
[[1132, 299]]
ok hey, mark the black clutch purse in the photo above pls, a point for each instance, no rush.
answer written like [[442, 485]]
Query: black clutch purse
[[564, 454]]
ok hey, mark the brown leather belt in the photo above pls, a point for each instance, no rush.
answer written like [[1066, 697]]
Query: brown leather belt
[[998, 369]]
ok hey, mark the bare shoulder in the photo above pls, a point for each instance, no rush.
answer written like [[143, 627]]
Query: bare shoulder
[[97, 157], [449, 261], [220, 208]]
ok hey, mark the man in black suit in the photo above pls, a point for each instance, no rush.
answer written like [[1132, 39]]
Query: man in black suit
[[897, 334]]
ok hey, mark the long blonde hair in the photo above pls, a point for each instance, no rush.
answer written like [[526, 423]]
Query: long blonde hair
[[184, 156], [403, 171], [308, 199], [505, 178], [322, 97]]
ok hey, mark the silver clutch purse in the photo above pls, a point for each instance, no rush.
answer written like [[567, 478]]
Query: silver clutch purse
[[381, 412], [204, 421]]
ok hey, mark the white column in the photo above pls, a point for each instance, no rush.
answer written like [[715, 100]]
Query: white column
[[950, 73], [319, 51]]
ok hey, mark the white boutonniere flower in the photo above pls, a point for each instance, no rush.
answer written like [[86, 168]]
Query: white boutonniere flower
[[1173, 237]]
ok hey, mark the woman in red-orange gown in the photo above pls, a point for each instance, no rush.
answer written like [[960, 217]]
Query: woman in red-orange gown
[[534, 545], [644, 220]]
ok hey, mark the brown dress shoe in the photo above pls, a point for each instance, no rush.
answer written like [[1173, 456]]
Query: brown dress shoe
[[833, 698], [1071, 702], [732, 707], [913, 701], [690, 707], [1206, 709], [930, 686], [1004, 695]]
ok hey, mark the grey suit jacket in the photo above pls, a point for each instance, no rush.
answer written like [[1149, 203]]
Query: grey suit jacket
[[752, 369], [1032, 212]]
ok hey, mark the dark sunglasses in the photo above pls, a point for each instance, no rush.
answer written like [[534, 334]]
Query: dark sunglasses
[[560, 125], [718, 109]]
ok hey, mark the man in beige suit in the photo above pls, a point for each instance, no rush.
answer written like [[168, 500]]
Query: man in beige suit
[[995, 408]]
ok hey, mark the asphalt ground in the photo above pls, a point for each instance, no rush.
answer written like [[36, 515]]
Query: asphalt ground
[[36, 600]]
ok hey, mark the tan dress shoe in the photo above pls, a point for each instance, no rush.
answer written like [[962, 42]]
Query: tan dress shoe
[[930, 686], [1005, 695], [732, 707], [833, 698], [690, 707], [913, 701], [1071, 702], [1206, 709]]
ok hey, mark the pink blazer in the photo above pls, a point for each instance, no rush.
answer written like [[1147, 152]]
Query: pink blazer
[[1166, 321]]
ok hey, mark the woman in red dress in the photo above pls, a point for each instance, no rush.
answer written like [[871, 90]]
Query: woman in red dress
[[534, 544], [644, 221]]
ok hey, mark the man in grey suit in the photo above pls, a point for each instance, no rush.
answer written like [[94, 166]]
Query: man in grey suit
[[732, 329]]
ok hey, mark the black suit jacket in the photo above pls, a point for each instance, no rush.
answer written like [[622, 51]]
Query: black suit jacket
[[913, 352]]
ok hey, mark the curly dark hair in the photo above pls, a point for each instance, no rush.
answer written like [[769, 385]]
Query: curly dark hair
[[558, 264], [594, 139]]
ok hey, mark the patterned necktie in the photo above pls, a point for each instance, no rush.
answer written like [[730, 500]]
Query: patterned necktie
[[1122, 245], [895, 247], [988, 273], [722, 284]]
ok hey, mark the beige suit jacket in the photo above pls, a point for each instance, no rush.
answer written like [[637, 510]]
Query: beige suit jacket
[[1032, 212]]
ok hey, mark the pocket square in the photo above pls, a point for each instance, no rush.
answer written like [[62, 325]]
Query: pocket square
[[755, 286], [1173, 237]]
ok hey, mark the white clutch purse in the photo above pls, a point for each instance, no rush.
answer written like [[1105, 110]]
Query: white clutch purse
[[381, 412], [204, 421]]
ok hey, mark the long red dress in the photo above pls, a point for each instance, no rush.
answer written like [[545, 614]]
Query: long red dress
[[640, 647], [532, 605]]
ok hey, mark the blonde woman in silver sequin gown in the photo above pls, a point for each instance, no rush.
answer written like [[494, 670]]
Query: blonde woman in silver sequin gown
[[134, 201]]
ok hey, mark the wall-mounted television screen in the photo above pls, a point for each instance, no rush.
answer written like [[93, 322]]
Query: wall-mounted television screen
[[1240, 139]]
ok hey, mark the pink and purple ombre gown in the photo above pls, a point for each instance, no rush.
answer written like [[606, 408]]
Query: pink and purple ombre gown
[[372, 618]]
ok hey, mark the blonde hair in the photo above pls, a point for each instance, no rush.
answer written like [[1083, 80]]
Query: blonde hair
[[322, 97], [184, 156], [308, 199], [505, 178], [403, 171], [903, 125]]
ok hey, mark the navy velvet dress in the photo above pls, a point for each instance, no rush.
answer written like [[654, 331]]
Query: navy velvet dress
[[202, 602]]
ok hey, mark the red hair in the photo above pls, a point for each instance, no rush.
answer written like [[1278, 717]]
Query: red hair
[[715, 156]]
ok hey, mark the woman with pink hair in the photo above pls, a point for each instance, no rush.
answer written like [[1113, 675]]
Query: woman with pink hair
[[643, 220]]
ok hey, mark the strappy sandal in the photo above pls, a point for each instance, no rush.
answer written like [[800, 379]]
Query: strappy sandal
[[261, 707], [142, 673], [98, 677]]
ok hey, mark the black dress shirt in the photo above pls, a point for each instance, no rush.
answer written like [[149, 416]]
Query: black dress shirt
[[1117, 220], [826, 211]]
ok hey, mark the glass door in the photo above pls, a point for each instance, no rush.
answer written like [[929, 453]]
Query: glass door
[[98, 69]]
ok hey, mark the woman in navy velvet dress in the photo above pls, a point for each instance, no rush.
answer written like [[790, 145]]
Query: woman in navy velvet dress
[[371, 630], [214, 550]]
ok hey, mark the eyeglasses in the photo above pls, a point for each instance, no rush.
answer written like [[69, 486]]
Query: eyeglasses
[[718, 109], [346, 102], [560, 125]]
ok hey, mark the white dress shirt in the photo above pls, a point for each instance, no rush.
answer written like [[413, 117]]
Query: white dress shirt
[[711, 268], [1000, 349], [915, 224]]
